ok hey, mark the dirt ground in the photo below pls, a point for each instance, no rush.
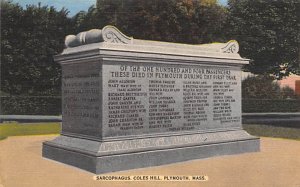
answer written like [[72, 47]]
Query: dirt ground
[[278, 164]]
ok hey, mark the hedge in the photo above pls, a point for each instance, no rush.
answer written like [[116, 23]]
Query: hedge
[[30, 105], [270, 105]]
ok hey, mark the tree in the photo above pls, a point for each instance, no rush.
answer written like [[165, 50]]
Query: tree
[[187, 21], [29, 39], [268, 33]]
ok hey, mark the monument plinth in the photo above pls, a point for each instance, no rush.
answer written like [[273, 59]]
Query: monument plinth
[[131, 103]]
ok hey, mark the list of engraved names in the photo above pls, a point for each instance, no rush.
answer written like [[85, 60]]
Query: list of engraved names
[[161, 98]]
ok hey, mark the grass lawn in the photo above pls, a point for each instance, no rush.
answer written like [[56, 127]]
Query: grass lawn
[[20, 129], [273, 131]]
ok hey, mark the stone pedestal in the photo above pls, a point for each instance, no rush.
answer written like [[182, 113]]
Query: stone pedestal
[[131, 103]]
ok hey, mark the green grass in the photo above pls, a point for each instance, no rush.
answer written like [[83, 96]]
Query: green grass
[[273, 131], [21, 129]]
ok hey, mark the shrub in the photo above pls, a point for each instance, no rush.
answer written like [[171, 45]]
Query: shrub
[[30, 105], [270, 105]]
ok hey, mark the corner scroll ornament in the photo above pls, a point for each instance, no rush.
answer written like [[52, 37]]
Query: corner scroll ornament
[[113, 35], [108, 34], [230, 47]]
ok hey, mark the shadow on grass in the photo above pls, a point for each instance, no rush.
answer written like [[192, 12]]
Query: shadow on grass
[[272, 131], [21, 129]]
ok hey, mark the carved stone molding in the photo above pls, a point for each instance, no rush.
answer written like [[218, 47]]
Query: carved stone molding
[[231, 47], [113, 35]]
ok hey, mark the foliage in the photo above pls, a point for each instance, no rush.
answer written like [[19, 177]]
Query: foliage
[[263, 94], [270, 105], [268, 33], [260, 87], [187, 21], [30, 105], [288, 93], [265, 87], [29, 39]]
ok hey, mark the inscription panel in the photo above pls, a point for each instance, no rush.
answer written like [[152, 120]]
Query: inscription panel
[[159, 98], [81, 102]]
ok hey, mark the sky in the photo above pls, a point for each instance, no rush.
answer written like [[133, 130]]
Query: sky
[[74, 6]]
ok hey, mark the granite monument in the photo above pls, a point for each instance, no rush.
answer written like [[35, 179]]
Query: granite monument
[[130, 103]]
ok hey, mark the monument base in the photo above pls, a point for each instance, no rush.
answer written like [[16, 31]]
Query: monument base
[[102, 157]]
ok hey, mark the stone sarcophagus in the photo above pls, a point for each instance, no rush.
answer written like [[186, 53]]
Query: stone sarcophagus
[[131, 103]]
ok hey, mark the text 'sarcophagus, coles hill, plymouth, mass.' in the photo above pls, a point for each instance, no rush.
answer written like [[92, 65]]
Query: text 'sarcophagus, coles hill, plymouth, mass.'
[[129, 103]]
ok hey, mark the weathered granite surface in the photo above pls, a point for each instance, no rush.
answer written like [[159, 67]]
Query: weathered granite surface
[[131, 103]]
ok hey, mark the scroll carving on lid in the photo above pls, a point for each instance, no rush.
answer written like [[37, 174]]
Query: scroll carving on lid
[[231, 47], [113, 35]]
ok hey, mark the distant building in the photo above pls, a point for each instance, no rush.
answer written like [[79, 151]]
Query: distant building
[[297, 87]]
